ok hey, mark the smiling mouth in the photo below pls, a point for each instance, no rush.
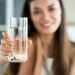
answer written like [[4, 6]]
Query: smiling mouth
[[46, 25]]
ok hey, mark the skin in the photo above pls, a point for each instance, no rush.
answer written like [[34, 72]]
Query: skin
[[72, 72], [46, 16]]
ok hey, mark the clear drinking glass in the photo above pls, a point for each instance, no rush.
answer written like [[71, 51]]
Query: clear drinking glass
[[17, 28]]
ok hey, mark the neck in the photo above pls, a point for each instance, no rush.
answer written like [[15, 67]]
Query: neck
[[46, 41]]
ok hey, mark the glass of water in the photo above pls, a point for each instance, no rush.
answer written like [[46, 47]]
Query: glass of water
[[17, 29]]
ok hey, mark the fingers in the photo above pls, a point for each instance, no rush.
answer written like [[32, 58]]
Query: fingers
[[6, 49], [29, 42], [6, 39], [5, 36], [6, 44], [6, 53]]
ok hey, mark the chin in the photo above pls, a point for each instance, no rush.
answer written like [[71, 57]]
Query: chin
[[48, 32]]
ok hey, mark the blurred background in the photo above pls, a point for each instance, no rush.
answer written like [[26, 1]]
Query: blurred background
[[13, 8]]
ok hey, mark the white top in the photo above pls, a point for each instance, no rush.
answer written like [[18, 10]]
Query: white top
[[48, 69]]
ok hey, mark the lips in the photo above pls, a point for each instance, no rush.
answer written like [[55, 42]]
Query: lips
[[46, 25]]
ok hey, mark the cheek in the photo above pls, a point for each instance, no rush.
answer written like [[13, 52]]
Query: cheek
[[57, 18], [56, 21], [35, 20]]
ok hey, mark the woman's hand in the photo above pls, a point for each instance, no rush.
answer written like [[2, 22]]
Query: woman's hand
[[7, 44], [4, 48]]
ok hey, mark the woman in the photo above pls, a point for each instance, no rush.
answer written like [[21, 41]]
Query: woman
[[46, 25]]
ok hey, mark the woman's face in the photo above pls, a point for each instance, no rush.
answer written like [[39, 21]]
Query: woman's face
[[45, 15]]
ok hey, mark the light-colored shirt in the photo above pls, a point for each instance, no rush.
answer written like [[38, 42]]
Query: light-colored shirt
[[47, 66]]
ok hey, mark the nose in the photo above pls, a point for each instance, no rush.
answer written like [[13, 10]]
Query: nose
[[45, 16]]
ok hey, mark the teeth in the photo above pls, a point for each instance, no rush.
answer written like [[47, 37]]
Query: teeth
[[46, 25]]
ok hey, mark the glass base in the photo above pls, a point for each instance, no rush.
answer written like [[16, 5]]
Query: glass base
[[18, 57]]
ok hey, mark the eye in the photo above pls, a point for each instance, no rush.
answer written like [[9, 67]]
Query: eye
[[36, 12], [52, 9]]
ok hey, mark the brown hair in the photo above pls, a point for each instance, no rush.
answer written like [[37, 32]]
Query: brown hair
[[61, 43]]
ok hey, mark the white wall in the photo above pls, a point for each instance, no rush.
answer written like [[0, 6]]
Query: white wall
[[70, 9], [70, 18]]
